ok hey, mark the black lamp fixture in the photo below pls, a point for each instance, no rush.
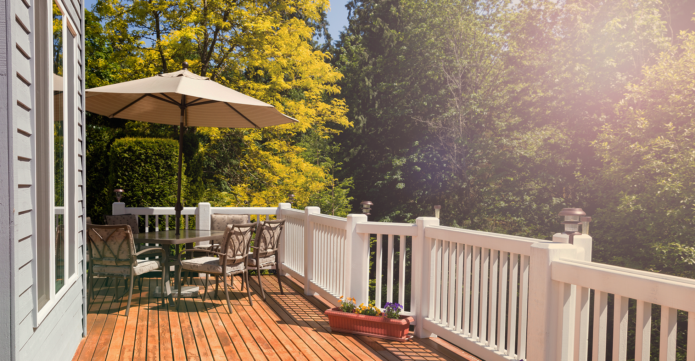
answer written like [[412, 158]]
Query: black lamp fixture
[[290, 198], [571, 222], [366, 207], [119, 194]]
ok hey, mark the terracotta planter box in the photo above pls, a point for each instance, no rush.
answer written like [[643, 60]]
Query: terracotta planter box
[[374, 326]]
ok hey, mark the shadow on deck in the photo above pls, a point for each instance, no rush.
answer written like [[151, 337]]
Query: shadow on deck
[[286, 327]]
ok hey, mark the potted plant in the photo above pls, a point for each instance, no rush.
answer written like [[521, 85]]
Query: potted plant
[[369, 320]]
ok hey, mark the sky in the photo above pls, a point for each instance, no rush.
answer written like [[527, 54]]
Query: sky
[[337, 16]]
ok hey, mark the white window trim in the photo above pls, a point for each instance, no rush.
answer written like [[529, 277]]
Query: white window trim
[[68, 166]]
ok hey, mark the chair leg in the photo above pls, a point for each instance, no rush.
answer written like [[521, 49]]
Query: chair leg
[[161, 287], [226, 293], [258, 272], [277, 273], [130, 294], [217, 286], [206, 286], [242, 281], [231, 277], [139, 281], [178, 276], [248, 289]]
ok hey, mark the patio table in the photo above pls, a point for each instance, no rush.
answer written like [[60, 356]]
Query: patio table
[[167, 238]]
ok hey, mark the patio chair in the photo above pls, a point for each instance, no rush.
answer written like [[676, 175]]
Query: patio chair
[[218, 222], [265, 251], [112, 254], [232, 253]]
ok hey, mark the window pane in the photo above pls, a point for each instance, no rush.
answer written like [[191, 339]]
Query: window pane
[[58, 149]]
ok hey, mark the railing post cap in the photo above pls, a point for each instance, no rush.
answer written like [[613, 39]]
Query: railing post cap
[[561, 238], [284, 205]]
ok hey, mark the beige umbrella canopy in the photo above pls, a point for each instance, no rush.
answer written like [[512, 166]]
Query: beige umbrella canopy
[[165, 99]]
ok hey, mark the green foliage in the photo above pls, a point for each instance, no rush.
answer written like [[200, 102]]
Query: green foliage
[[146, 168]]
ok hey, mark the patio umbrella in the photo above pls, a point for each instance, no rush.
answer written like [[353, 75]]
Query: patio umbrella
[[186, 99]]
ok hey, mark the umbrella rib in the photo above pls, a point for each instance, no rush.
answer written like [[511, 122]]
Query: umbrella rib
[[203, 103], [127, 106], [242, 115], [193, 102], [172, 101]]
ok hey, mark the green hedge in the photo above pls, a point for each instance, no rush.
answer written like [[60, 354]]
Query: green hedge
[[146, 169]]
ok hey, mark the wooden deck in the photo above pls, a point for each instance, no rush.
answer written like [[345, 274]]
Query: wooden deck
[[286, 327]]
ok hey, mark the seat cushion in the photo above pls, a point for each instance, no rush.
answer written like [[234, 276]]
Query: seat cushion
[[264, 260], [209, 265], [142, 267]]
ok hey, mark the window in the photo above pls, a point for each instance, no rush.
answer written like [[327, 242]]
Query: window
[[55, 249]]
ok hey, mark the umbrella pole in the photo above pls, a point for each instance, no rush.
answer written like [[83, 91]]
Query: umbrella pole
[[179, 206]]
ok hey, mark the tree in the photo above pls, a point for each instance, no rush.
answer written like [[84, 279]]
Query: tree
[[262, 49], [649, 173]]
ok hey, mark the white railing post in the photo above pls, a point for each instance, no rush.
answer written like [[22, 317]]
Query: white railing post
[[203, 216], [549, 304], [278, 215], [356, 270], [118, 208], [309, 248], [421, 278]]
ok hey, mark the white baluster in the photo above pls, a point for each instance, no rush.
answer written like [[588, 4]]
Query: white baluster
[[581, 344], [453, 291], [484, 295], [460, 264], [620, 308], [401, 270], [167, 222], [389, 269], [667, 345], [502, 306], [494, 278], [523, 317], [156, 223], [186, 227], [598, 348], [467, 284], [147, 223], [377, 291], [444, 281], [476, 293], [513, 297], [643, 331], [691, 337]]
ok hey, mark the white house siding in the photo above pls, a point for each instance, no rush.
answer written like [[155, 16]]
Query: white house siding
[[59, 333]]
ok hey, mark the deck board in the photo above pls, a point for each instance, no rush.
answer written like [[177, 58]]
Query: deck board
[[284, 327]]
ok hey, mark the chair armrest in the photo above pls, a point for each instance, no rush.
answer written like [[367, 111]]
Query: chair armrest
[[158, 250], [207, 251]]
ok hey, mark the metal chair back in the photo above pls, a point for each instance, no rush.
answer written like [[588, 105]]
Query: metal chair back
[[111, 245]]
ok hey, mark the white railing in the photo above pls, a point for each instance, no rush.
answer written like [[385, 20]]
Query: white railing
[[387, 254], [577, 278], [497, 296], [294, 243], [478, 290]]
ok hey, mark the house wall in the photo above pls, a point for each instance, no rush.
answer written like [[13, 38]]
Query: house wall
[[22, 336]]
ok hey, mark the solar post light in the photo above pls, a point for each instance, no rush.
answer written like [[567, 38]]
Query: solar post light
[[366, 207], [119, 194], [571, 222], [290, 198], [437, 210]]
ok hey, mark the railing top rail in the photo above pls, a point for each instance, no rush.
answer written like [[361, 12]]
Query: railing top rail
[[497, 241], [665, 290], [244, 210], [401, 229], [293, 213], [148, 211], [327, 220]]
